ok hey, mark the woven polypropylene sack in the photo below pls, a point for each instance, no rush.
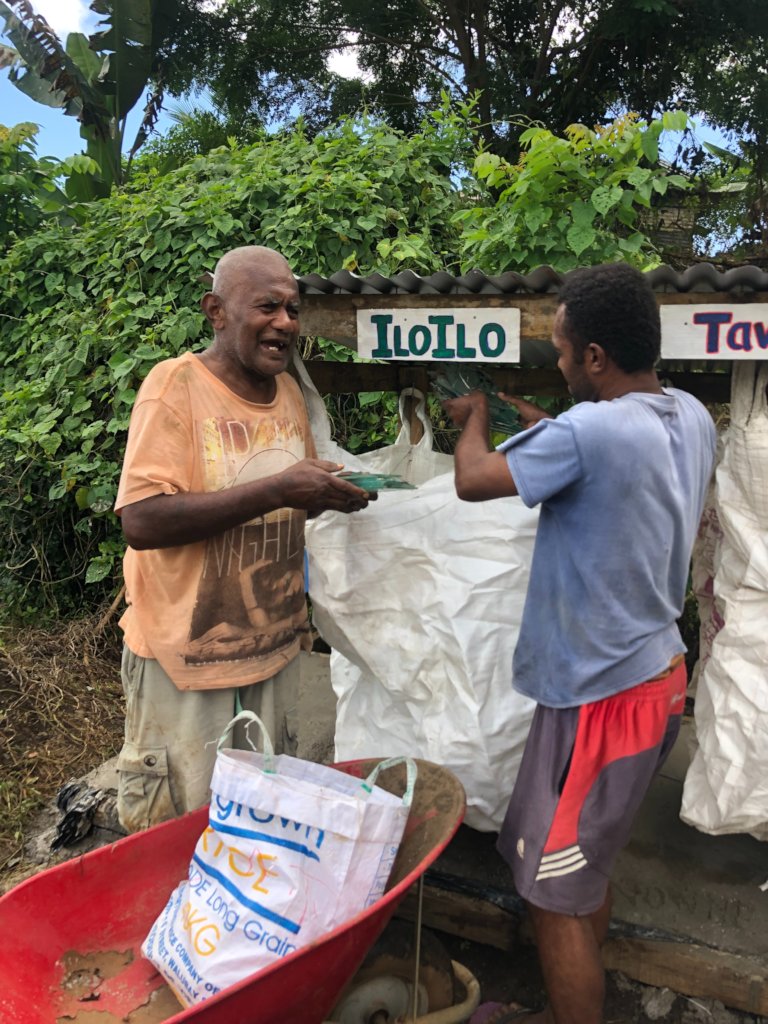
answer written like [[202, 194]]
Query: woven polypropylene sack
[[726, 786]]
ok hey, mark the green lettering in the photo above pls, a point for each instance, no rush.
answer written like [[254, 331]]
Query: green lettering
[[463, 351], [419, 348], [399, 350], [442, 351], [501, 340], [382, 350]]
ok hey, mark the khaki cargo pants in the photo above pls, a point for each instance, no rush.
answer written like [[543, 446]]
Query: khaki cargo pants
[[165, 765]]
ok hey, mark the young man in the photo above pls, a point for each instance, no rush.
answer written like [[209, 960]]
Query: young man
[[219, 475], [621, 479]]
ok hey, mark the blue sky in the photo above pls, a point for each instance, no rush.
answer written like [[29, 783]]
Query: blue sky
[[59, 135]]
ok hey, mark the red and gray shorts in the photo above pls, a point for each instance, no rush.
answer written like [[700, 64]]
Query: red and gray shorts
[[583, 776]]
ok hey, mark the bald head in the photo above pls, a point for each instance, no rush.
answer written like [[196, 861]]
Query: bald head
[[247, 261], [253, 309]]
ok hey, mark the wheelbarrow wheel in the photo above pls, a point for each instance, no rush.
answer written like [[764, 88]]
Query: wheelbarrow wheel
[[382, 989]]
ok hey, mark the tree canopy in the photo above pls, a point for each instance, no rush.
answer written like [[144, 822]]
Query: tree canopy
[[549, 61]]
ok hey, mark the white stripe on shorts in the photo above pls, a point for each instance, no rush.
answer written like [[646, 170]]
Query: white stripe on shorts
[[564, 862]]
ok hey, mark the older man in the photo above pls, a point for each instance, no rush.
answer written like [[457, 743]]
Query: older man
[[621, 480], [219, 475]]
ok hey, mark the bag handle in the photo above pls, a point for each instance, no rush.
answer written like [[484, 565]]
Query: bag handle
[[320, 421], [410, 777], [251, 718], [404, 437]]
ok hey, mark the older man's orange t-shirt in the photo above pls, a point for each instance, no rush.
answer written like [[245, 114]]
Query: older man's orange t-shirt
[[231, 610]]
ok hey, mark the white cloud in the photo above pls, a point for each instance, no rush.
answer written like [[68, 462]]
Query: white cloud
[[65, 16], [344, 63]]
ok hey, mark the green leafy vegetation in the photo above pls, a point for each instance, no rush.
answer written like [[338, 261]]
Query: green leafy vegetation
[[88, 308], [28, 190], [34, 190], [733, 211], [195, 132], [570, 201]]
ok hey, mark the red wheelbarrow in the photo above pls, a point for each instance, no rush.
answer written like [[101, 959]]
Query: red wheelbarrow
[[70, 937]]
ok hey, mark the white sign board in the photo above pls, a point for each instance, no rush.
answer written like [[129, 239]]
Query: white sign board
[[466, 335], [723, 331]]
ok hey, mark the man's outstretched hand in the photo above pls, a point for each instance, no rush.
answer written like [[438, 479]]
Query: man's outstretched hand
[[312, 484]]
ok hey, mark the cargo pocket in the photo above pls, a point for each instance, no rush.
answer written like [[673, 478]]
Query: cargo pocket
[[143, 789]]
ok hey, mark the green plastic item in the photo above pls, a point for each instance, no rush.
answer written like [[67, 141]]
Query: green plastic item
[[376, 481]]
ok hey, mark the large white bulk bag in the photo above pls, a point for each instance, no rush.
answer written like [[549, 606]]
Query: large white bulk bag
[[421, 596], [726, 787]]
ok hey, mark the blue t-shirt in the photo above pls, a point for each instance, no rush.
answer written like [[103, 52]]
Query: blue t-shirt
[[621, 486]]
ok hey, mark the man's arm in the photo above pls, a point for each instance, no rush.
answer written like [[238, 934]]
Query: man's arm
[[168, 520], [480, 474]]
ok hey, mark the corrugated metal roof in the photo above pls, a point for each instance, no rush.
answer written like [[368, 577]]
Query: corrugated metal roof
[[703, 277]]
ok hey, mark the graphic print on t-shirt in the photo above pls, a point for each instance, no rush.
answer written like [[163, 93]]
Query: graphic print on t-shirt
[[251, 594]]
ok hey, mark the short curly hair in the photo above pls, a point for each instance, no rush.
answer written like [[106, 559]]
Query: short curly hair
[[612, 305]]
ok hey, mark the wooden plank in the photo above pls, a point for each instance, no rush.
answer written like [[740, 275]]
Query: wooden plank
[[737, 981], [351, 378], [739, 298], [740, 982], [468, 917], [335, 316]]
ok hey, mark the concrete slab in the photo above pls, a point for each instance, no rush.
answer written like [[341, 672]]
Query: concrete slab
[[317, 709], [671, 878], [674, 877]]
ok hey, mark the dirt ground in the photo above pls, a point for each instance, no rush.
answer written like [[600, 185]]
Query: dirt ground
[[61, 713], [61, 716], [505, 978]]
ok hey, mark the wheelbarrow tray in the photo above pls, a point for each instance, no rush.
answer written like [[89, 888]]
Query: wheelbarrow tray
[[70, 937]]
